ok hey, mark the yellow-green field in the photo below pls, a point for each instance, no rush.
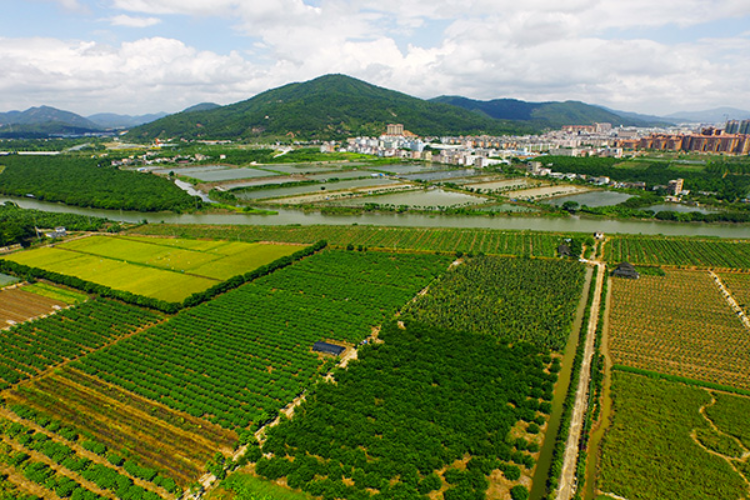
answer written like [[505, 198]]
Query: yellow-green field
[[165, 269]]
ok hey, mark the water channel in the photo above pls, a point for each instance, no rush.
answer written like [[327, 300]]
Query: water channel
[[287, 217]]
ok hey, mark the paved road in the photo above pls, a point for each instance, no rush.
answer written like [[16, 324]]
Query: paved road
[[567, 478]]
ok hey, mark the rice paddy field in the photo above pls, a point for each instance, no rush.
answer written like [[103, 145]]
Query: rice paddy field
[[165, 269]]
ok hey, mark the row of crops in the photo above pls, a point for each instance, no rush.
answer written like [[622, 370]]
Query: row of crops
[[509, 298], [60, 460], [238, 359], [679, 252], [487, 241], [32, 347]]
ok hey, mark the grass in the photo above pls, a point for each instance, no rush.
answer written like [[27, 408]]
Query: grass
[[56, 293], [651, 438], [165, 269], [679, 324], [243, 486]]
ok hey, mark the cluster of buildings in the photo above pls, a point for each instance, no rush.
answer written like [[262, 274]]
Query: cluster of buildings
[[709, 140], [599, 139]]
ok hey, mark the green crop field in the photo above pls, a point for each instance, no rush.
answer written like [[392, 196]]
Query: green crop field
[[513, 299], [660, 445], [651, 250], [165, 269], [56, 293], [488, 241]]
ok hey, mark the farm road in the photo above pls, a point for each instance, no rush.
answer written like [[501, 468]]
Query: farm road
[[731, 300], [570, 459]]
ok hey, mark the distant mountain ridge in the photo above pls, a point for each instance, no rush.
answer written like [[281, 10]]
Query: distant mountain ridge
[[716, 115], [115, 121], [328, 107], [549, 114]]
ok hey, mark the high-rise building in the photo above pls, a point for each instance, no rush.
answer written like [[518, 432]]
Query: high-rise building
[[732, 127], [394, 129], [675, 186], [745, 127]]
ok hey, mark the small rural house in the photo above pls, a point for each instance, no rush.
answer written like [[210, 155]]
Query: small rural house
[[626, 270]]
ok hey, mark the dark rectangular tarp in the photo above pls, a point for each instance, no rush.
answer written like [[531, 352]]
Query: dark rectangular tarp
[[327, 348]]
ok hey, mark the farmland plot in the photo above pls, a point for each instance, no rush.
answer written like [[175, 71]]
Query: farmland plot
[[680, 325], [394, 427], [18, 305], [488, 241], [31, 348], [679, 252], [165, 269], [661, 445], [739, 286], [238, 359], [509, 298]]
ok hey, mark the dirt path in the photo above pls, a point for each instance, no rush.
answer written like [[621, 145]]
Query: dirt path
[[38, 457], [25, 485], [570, 460], [731, 300], [81, 451]]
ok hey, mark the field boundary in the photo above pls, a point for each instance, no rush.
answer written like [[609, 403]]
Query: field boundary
[[682, 380]]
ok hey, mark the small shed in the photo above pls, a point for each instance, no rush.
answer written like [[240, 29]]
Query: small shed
[[563, 251], [626, 270], [326, 348]]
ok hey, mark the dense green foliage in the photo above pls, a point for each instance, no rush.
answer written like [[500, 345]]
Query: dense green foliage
[[65, 335], [512, 299], [729, 188], [488, 241], [214, 359], [657, 251], [650, 438], [332, 106], [17, 224], [90, 182], [391, 420]]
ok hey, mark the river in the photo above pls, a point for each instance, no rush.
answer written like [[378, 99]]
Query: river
[[286, 217]]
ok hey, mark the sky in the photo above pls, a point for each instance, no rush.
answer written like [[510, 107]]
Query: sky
[[146, 56]]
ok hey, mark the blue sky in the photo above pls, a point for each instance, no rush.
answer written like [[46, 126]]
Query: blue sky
[[143, 56]]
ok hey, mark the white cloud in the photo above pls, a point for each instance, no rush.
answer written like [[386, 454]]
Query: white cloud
[[133, 22], [535, 50]]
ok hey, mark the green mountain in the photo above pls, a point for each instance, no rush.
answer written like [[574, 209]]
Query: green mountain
[[329, 107], [44, 121], [543, 114]]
